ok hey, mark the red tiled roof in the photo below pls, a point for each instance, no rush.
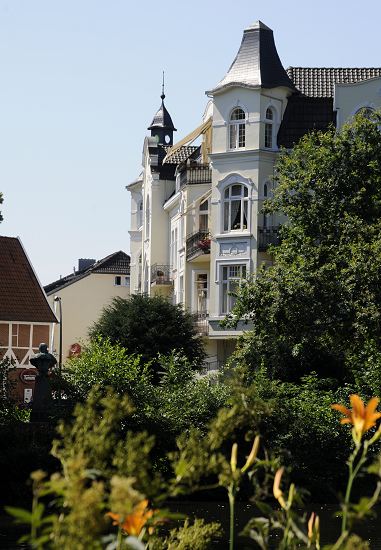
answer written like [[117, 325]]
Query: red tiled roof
[[21, 296]]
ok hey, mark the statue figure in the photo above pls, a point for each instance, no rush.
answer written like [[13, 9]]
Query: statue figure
[[42, 397]]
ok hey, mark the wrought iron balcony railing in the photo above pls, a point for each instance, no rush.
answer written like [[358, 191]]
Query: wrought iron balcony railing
[[267, 236], [198, 243], [201, 323], [199, 173], [161, 275]]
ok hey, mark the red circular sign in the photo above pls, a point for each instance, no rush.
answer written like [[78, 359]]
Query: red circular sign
[[27, 376]]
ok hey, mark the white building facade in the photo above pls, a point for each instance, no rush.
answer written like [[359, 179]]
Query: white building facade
[[197, 227]]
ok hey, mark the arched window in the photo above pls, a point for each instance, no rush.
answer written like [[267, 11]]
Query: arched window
[[269, 128], [236, 202], [237, 129], [366, 112]]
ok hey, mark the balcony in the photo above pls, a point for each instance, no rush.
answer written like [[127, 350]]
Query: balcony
[[192, 175], [198, 243], [266, 237], [161, 275], [201, 323]]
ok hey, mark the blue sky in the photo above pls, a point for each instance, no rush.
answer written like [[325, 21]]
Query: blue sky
[[81, 81]]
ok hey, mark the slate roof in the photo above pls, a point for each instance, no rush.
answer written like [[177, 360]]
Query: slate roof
[[21, 295], [117, 263], [257, 62], [162, 119], [302, 115], [181, 155], [320, 81]]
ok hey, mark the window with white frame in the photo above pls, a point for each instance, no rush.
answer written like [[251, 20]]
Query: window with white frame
[[147, 218], [173, 249], [140, 214], [237, 129], [203, 217], [269, 128], [232, 276], [236, 205], [202, 293]]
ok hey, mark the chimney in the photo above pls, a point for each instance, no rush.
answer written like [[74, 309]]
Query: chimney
[[85, 263]]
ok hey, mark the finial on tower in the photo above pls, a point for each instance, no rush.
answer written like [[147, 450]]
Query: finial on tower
[[162, 89]]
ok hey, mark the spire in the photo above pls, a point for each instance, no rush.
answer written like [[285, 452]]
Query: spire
[[162, 126], [162, 119], [162, 90], [257, 64]]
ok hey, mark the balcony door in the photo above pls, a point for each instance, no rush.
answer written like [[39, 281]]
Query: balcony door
[[202, 297]]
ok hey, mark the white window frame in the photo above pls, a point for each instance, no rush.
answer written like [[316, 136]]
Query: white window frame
[[237, 126], [235, 179], [243, 198], [270, 123], [225, 283]]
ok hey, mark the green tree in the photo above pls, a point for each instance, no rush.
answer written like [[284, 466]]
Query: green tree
[[149, 326], [318, 308]]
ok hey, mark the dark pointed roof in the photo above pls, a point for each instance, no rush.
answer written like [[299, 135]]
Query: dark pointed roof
[[162, 119], [21, 295], [257, 64]]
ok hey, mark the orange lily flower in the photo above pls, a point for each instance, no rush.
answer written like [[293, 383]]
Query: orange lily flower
[[362, 417], [133, 523]]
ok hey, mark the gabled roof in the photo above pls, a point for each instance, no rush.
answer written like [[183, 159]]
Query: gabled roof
[[257, 63], [117, 263], [320, 81], [21, 296]]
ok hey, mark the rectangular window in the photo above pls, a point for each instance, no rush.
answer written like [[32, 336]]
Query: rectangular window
[[231, 279], [268, 136], [233, 136], [118, 280], [241, 135], [127, 281]]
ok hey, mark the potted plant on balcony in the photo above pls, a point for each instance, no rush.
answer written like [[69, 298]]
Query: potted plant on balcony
[[204, 244]]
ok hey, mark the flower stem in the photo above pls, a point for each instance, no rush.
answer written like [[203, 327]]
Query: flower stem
[[231, 493], [353, 471]]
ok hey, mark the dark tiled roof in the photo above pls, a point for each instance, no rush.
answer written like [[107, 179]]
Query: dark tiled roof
[[302, 115], [117, 263], [320, 81], [21, 296], [181, 155], [257, 62], [162, 119]]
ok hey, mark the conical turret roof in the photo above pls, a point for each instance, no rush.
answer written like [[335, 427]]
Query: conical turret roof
[[257, 63], [162, 119]]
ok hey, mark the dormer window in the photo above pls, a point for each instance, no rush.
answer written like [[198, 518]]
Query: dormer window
[[269, 128], [237, 127]]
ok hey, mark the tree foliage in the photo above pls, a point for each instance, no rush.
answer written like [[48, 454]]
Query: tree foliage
[[318, 307], [1, 202], [149, 326]]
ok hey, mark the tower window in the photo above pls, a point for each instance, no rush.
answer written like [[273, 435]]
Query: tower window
[[236, 203], [237, 129], [269, 128]]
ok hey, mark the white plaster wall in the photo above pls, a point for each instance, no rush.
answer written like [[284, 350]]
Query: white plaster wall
[[349, 98]]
